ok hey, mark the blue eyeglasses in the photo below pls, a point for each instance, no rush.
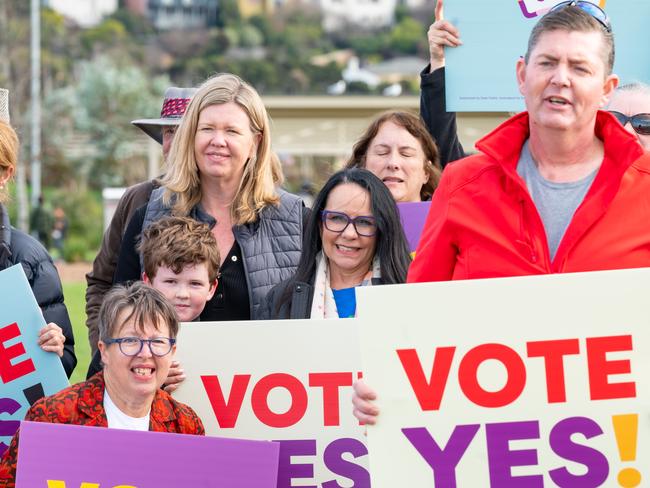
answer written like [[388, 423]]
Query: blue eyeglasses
[[131, 346], [591, 8]]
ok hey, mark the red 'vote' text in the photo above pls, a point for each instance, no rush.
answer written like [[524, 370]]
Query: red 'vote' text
[[227, 410], [430, 391]]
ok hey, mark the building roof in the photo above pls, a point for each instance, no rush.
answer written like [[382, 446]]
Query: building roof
[[406, 65]]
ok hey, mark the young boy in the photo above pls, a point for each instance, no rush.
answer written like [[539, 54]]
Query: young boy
[[181, 260]]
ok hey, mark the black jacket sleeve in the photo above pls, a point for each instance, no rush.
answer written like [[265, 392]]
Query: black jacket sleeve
[[49, 294], [440, 123], [306, 213], [128, 262], [100, 278], [46, 286]]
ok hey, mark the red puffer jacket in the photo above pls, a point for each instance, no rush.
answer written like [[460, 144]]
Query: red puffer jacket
[[484, 224]]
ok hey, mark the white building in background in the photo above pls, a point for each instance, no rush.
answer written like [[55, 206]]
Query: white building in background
[[182, 14], [354, 73], [86, 13], [338, 14], [416, 3]]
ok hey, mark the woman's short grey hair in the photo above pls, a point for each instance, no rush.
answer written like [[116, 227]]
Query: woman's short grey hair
[[636, 87], [144, 304]]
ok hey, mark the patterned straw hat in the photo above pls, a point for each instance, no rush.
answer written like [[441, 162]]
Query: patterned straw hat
[[4, 105], [173, 108]]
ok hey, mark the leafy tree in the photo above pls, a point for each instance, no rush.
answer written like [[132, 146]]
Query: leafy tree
[[136, 25], [109, 33], [401, 12], [322, 76], [358, 87], [263, 24], [407, 36], [250, 36], [228, 13], [369, 43], [98, 110], [232, 33]]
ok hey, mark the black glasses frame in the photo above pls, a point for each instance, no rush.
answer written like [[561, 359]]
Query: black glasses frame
[[640, 122], [120, 340], [591, 8], [325, 213]]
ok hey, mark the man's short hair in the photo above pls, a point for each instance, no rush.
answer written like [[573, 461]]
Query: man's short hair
[[177, 242], [141, 303], [573, 19]]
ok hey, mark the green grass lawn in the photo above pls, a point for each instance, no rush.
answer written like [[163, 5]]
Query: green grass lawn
[[75, 300]]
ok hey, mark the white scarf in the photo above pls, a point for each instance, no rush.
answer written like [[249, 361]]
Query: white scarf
[[323, 305]]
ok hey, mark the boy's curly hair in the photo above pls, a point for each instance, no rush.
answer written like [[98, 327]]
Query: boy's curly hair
[[177, 242]]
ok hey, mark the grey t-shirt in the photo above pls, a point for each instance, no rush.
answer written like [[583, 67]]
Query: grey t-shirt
[[555, 202]]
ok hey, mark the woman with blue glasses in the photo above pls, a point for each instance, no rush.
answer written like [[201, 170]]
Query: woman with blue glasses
[[353, 238], [137, 341]]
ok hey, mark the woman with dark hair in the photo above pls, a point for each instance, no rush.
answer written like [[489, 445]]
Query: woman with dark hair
[[397, 148], [353, 238]]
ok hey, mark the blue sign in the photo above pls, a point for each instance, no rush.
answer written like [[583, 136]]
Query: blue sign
[[480, 74], [27, 373]]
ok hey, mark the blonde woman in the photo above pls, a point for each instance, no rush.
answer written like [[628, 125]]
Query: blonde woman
[[223, 172], [16, 247]]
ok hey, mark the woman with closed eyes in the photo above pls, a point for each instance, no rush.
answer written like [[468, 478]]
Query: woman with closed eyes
[[397, 148]]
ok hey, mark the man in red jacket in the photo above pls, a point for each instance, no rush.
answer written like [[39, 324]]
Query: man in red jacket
[[558, 188], [562, 187]]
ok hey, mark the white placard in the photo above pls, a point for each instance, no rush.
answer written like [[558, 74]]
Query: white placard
[[530, 381]]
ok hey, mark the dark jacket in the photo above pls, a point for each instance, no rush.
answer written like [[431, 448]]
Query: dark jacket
[[18, 247], [440, 123], [299, 304], [298, 307], [100, 279]]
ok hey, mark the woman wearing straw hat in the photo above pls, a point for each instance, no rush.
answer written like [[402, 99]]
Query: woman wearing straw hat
[[16, 247]]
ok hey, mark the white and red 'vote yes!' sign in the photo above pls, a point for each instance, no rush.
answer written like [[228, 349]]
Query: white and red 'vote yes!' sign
[[286, 381], [532, 381]]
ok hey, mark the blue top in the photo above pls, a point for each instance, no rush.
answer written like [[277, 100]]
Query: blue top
[[346, 302]]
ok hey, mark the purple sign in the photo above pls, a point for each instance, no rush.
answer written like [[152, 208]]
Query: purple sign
[[111, 457], [413, 215]]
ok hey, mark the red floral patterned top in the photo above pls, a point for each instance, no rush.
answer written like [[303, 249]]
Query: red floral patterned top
[[83, 404]]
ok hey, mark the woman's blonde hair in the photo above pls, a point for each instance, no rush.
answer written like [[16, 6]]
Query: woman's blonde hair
[[262, 172], [8, 154]]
